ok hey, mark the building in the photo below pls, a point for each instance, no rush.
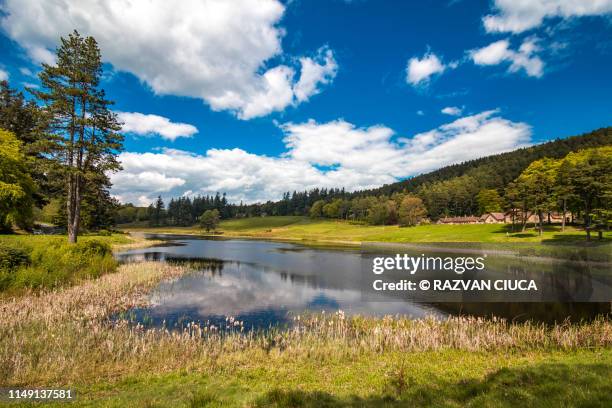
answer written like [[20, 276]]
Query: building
[[459, 220], [493, 218], [518, 217]]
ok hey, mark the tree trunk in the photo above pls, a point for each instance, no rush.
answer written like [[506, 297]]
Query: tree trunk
[[564, 212], [524, 220], [587, 222], [72, 235], [540, 219], [69, 210]]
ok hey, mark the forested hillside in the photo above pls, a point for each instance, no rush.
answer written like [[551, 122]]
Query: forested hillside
[[498, 170], [539, 179]]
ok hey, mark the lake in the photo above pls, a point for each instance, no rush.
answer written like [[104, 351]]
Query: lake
[[264, 283]]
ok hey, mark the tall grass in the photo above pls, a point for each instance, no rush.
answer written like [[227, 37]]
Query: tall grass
[[65, 335], [48, 263]]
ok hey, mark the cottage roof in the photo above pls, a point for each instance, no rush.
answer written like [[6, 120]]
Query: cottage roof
[[498, 216]]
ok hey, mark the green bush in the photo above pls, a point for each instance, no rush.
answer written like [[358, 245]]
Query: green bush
[[11, 257], [54, 264]]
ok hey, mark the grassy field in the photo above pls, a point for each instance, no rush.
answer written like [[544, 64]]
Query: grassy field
[[307, 229], [391, 379], [63, 338]]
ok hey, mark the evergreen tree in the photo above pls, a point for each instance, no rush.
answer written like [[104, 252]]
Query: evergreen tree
[[18, 116], [157, 212], [83, 133]]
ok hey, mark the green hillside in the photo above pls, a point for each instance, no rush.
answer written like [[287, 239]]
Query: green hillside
[[498, 170]]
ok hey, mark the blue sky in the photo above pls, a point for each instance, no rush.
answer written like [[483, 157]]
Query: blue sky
[[257, 98]]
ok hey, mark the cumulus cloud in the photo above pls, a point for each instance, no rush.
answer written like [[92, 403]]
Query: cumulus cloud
[[315, 72], [4, 76], [420, 70], [524, 58], [332, 154], [149, 125], [218, 51], [452, 110], [518, 16]]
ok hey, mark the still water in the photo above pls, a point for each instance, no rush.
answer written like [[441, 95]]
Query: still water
[[263, 283]]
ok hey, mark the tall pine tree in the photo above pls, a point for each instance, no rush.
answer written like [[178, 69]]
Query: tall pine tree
[[83, 133]]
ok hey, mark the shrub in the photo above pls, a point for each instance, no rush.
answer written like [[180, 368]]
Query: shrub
[[11, 257], [55, 263]]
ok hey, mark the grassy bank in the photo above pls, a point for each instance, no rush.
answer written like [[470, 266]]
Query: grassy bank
[[307, 229], [47, 261], [63, 338]]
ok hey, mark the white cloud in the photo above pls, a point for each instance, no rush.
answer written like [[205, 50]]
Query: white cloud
[[499, 52], [419, 70], [149, 125], [420, 113], [4, 76], [315, 71], [27, 72], [452, 110], [332, 154], [518, 16], [492, 54], [218, 51]]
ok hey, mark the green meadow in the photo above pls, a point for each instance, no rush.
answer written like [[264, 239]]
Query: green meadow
[[439, 379], [325, 230]]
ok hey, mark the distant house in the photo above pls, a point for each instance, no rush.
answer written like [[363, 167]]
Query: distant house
[[493, 218], [459, 220], [518, 216], [556, 218], [503, 218], [553, 217]]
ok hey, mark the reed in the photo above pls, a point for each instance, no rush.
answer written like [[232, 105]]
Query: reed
[[66, 335]]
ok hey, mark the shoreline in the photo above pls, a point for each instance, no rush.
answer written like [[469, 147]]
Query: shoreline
[[329, 244], [77, 344]]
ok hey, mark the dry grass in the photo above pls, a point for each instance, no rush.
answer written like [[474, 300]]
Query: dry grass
[[137, 241], [66, 336]]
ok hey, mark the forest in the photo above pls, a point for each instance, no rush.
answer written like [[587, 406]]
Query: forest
[[570, 176]]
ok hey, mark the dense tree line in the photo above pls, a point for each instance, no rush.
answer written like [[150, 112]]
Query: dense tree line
[[498, 170], [580, 183], [183, 211], [485, 186]]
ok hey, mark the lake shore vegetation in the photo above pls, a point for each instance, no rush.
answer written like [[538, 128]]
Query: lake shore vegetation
[[71, 336], [35, 262]]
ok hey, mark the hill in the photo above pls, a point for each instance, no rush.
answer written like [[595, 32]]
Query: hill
[[498, 170]]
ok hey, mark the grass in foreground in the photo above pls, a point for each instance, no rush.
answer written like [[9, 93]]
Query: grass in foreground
[[307, 229], [63, 338]]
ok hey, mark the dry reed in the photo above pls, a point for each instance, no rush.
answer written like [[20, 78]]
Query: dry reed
[[65, 335]]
